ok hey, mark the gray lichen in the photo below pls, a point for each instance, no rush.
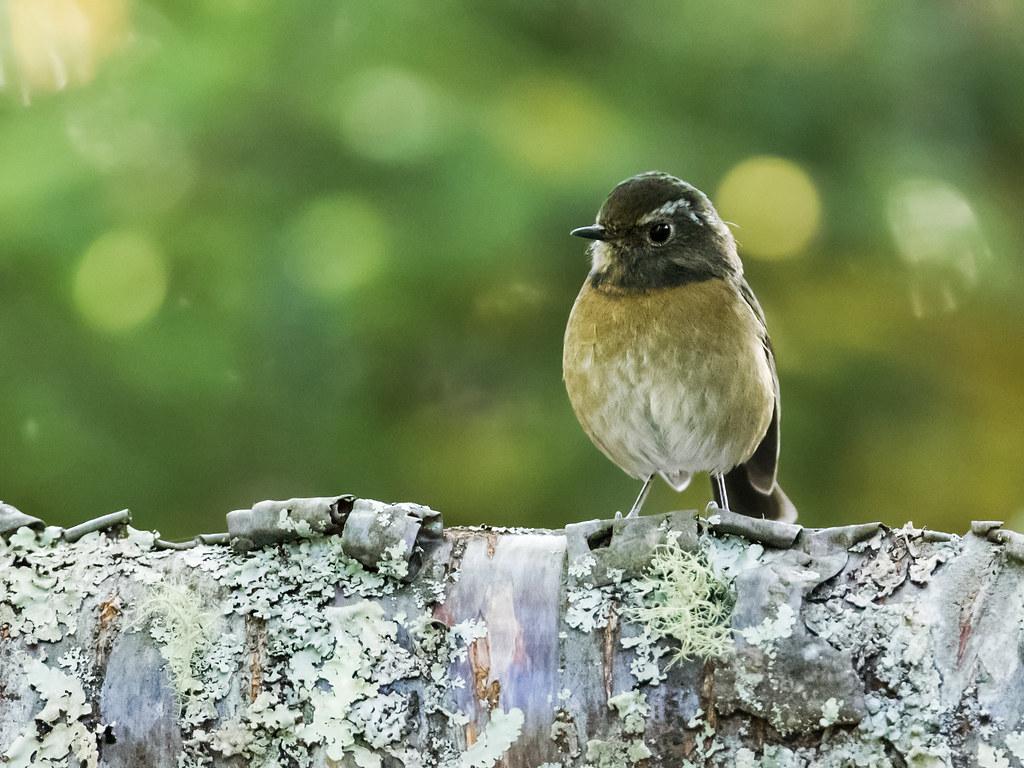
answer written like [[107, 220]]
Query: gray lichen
[[857, 646], [56, 732], [323, 674]]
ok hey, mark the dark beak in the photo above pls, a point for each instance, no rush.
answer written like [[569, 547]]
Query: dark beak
[[593, 232]]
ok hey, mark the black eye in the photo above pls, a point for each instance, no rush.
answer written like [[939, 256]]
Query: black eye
[[659, 232]]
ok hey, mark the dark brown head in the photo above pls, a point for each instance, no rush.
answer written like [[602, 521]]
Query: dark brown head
[[656, 231]]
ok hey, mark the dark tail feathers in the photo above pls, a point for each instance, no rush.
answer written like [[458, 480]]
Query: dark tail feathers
[[748, 500]]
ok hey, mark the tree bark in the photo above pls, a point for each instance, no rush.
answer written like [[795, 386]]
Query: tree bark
[[345, 632]]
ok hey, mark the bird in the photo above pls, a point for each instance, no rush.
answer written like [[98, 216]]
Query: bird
[[666, 357]]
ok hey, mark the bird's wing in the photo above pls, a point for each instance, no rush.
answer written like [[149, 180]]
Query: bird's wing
[[762, 467], [752, 486]]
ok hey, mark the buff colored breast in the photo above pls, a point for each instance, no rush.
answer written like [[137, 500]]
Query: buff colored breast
[[673, 381]]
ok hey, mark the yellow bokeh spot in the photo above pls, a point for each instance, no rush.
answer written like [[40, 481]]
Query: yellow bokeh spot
[[773, 203], [336, 245], [57, 43], [555, 126], [121, 281]]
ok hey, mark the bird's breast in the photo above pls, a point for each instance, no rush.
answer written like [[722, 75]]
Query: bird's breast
[[669, 380]]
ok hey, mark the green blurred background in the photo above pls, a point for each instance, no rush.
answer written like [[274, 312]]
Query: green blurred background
[[259, 250]]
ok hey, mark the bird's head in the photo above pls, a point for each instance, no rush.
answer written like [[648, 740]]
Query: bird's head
[[655, 231]]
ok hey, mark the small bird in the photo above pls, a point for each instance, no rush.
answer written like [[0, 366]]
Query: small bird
[[667, 360]]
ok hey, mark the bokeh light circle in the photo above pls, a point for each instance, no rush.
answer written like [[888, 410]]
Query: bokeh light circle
[[938, 236], [57, 43], [390, 115], [931, 220], [336, 245], [555, 126], [120, 282], [773, 202]]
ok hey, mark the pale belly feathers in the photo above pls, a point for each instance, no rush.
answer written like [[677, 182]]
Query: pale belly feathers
[[670, 382]]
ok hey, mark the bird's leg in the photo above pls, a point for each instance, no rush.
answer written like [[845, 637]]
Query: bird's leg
[[635, 509], [720, 484]]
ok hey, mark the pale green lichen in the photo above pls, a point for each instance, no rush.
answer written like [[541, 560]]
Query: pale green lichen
[[766, 634], [269, 669], [991, 757], [730, 556], [830, 712], [40, 599], [1015, 743], [615, 575], [299, 526], [351, 675], [706, 746], [684, 599], [632, 709], [332, 673], [395, 562], [44, 582], [645, 666], [614, 753], [907, 710], [582, 566], [78, 666], [300, 656], [783, 757], [62, 734], [589, 607], [327, 659], [681, 606], [501, 732], [625, 746], [296, 671]]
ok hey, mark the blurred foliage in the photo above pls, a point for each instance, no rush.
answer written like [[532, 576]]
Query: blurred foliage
[[255, 250]]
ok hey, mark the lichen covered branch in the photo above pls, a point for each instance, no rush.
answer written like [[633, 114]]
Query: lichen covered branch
[[340, 631]]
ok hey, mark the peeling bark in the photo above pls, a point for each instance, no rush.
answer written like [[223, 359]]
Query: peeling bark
[[347, 632]]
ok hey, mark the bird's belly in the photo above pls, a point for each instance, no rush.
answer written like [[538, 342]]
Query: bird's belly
[[659, 395]]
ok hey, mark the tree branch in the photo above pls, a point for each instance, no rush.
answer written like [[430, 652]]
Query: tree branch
[[348, 632]]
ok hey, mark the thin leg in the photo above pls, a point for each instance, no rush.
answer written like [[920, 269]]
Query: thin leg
[[720, 484], [635, 510]]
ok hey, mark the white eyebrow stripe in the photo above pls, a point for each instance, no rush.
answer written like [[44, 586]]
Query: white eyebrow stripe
[[668, 209]]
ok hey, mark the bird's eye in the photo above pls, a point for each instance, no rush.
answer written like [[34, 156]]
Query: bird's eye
[[659, 232]]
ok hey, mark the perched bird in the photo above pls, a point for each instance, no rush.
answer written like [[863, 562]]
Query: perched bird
[[667, 360]]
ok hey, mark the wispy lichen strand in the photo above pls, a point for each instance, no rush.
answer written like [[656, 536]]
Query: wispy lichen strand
[[682, 598]]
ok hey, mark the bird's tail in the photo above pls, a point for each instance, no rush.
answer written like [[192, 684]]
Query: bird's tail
[[747, 499]]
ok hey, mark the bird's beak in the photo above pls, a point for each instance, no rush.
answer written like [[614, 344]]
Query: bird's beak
[[593, 232]]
